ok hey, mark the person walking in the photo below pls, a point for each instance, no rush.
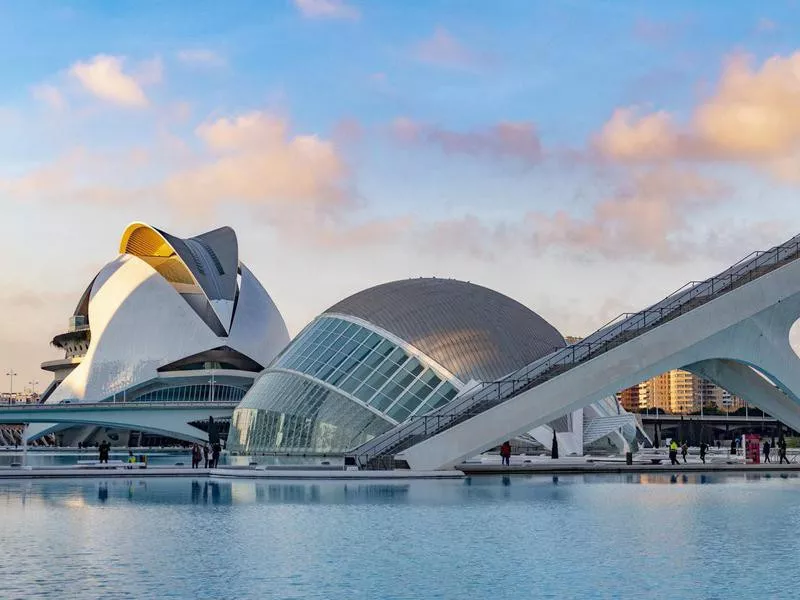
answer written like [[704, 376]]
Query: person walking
[[195, 456], [205, 455], [673, 452], [505, 454], [767, 450], [703, 449], [733, 446], [216, 450], [782, 450], [684, 451]]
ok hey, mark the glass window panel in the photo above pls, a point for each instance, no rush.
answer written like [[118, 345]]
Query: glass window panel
[[381, 401], [385, 348], [341, 326], [449, 392], [413, 367], [372, 340], [430, 378], [388, 368], [360, 335], [399, 412], [376, 380], [365, 392], [349, 384]]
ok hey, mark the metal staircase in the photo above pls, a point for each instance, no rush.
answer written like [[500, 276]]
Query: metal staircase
[[599, 427], [379, 452]]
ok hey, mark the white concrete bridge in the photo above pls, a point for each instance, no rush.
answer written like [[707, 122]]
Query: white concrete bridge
[[173, 419], [732, 329]]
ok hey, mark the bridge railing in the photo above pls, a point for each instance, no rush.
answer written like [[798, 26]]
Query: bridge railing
[[618, 331], [113, 406]]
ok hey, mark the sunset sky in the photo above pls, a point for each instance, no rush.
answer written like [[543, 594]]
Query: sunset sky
[[584, 158]]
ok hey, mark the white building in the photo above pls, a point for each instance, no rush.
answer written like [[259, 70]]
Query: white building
[[169, 319]]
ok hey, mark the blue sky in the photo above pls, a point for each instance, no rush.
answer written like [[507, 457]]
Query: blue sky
[[584, 158]]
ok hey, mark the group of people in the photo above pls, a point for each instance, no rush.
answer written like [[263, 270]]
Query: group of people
[[684, 448], [208, 456], [781, 451]]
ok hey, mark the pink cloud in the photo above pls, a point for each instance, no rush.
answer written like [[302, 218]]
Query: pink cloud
[[255, 159], [645, 216], [103, 76], [753, 116], [443, 49], [513, 139], [327, 9]]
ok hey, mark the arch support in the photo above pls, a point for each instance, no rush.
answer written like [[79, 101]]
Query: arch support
[[741, 380]]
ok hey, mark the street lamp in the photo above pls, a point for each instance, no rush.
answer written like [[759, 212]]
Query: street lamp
[[11, 374], [33, 385]]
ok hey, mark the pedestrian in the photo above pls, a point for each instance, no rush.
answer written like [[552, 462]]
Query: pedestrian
[[719, 445], [673, 452], [195, 456], [703, 449], [684, 451], [205, 455], [103, 450], [216, 450], [767, 450], [505, 454], [782, 450], [733, 446]]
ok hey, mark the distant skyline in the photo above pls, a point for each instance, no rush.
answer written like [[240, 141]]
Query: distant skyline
[[583, 158]]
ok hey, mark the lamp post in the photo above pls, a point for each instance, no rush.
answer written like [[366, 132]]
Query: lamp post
[[11, 374], [33, 385]]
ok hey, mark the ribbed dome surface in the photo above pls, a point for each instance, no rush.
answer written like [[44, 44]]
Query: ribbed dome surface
[[474, 332]]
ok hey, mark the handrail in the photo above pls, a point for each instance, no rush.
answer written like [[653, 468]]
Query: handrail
[[618, 331], [114, 405]]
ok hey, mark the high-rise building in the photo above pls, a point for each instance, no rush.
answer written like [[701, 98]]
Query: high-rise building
[[678, 392], [629, 398]]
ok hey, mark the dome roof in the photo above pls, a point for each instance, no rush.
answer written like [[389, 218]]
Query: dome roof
[[474, 332]]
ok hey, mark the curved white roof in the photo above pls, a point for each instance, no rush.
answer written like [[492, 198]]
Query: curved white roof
[[153, 306]]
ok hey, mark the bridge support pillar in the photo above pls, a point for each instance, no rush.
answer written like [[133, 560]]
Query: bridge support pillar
[[741, 380]]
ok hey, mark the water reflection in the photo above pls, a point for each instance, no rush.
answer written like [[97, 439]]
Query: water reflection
[[213, 492]]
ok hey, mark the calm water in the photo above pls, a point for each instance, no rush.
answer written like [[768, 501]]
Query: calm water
[[625, 536]]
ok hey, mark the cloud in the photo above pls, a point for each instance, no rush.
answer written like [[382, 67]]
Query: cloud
[[103, 77], [201, 57], [50, 95], [444, 50], [80, 176], [630, 136], [256, 160], [512, 139], [468, 235], [765, 25], [752, 116], [327, 9], [646, 216]]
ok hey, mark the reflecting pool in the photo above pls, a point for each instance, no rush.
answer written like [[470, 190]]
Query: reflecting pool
[[599, 536]]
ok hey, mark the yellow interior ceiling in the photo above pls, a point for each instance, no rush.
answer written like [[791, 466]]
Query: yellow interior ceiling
[[149, 245]]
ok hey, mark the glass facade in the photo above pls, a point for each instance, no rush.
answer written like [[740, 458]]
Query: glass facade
[[368, 366], [303, 417], [285, 411]]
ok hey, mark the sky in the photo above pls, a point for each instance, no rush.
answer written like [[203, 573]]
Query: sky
[[586, 159]]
